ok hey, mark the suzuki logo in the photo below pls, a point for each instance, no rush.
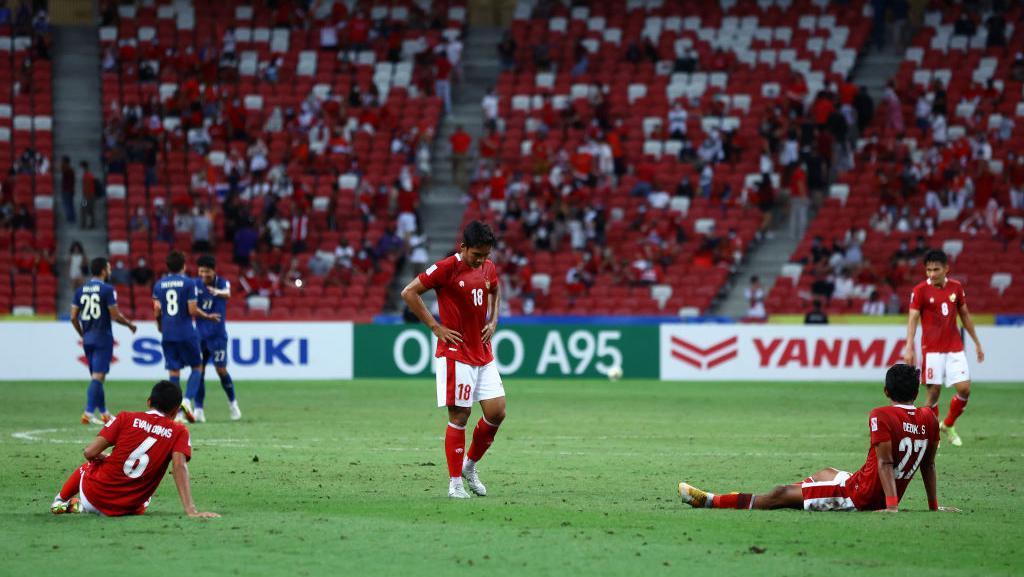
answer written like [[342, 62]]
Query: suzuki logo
[[708, 358]]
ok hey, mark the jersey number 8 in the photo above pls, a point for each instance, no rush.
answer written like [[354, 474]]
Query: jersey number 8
[[90, 307], [172, 303]]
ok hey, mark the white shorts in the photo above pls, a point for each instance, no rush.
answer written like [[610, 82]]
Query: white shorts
[[829, 495], [461, 385], [945, 368]]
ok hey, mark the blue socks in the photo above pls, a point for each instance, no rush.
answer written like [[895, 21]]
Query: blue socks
[[193, 384], [94, 398], [229, 387], [200, 390]]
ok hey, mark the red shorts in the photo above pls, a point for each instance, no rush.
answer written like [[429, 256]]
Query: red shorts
[[829, 495]]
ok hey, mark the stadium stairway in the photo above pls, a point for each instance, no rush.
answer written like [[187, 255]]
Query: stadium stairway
[[78, 134], [441, 205]]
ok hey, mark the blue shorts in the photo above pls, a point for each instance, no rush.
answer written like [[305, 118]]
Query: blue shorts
[[216, 350], [180, 354], [98, 357]]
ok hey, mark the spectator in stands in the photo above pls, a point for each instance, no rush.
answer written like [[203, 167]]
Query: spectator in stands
[[32, 162], [822, 286], [442, 79], [142, 274], [893, 110], [507, 52], [246, 238], [687, 61], [799, 201], [202, 230], [23, 219], [755, 294], [489, 104], [1017, 68], [67, 188], [120, 275], [677, 116], [460, 141], [89, 195], [77, 264], [964, 25], [299, 226], [864, 106], [816, 316]]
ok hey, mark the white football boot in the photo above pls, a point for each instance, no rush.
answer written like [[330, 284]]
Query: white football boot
[[456, 490], [236, 413], [472, 478], [200, 415]]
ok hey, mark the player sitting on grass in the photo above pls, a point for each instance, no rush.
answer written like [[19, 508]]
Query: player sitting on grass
[[93, 308], [123, 482], [214, 292], [903, 438]]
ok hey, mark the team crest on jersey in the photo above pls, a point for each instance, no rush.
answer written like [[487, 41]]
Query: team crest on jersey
[[487, 284], [952, 298]]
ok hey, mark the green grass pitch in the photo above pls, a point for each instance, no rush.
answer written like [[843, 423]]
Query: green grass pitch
[[348, 478]]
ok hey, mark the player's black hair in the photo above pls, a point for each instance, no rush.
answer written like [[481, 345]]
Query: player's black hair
[[98, 265], [176, 261], [902, 382], [165, 397], [477, 234], [207, 261], [936, 256]]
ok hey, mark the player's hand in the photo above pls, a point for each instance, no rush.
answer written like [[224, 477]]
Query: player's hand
[[488, 331], [981, 354], [215, 317], [949, 510], [447, 335], [887, 511], [908, 354], [203, 515]]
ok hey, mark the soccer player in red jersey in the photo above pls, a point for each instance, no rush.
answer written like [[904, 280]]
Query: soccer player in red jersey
[[122, 482], [936, 302], [903, 439], [468, 297]]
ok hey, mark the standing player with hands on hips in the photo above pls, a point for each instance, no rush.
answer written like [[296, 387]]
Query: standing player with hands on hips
[[468, 297], [937, 302]]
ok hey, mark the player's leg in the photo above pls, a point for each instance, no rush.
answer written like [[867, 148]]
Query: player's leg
[[454, 391], [65, 501], [933, 367], [192, 357], [959, 378], [490, 393], [219, 353], [781, 497]]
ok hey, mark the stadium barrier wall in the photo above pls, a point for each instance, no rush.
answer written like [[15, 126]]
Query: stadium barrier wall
[[815, 353], [531, 351], [256, 351]]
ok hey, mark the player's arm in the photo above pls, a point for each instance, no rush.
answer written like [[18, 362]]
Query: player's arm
[[411, 295], [157, 316], [181, 480], [912, 319], [929, 479], [492, 323], [968, 323], [883, 451], [115, 313], [94, 450], [75, 322], [196, 312], [224, 293]]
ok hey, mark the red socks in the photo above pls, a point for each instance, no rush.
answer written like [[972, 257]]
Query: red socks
[[956, 408], [70, 488], [454, 448], [732, 501], [483, 436]]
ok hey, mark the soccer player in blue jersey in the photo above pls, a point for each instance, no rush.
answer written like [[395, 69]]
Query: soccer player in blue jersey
[[93, 307], [175, 304], [214, 292]]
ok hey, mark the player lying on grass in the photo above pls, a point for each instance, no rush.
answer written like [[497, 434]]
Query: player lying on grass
[[903, 439], [123, 482]]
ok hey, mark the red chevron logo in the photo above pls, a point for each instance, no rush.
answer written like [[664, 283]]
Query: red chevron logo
[[85, 361], [705, 358]]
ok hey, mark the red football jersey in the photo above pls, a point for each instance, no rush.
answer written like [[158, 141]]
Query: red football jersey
[[910, 430], [143, 443], [939, 306], [462, 296]]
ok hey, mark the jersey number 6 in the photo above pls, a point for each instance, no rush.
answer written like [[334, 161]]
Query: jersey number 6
[[137, 462]]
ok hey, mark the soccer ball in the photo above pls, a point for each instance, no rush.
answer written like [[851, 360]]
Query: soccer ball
[[614, 373]]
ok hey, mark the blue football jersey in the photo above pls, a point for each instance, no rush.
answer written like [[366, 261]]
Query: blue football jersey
[[212, 305], [174, 292], [94, 300]]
